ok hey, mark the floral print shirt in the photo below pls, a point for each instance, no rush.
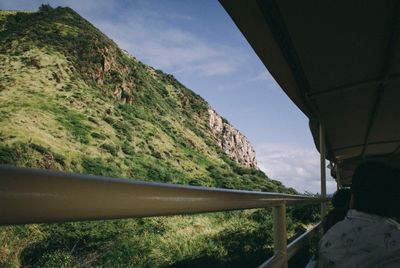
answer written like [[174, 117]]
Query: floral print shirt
[[361, 240]]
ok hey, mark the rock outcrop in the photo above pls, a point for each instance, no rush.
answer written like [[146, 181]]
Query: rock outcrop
[[232, 142], [110, 71]]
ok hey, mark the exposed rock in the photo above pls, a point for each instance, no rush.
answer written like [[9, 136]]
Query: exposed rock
[[123, 92], [232, 142], [124, 88], [106, 63]]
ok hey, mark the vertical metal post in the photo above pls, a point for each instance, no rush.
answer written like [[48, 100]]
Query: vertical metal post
[[338, 176], [280, 235], [322, 150]]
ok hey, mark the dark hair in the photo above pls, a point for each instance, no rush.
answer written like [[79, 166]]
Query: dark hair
[[374, 189], [341, 198], [340, 202]]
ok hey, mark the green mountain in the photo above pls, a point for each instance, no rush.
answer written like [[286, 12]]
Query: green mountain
[[72, 100]]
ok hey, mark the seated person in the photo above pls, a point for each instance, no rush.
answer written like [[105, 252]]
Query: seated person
[[368, 236], [340, 202]]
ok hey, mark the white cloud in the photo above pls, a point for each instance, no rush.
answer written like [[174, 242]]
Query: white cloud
[[294, 166], [152, 39], [153, 36], [178, 16]]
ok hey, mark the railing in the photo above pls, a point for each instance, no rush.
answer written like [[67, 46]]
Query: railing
[[38, 196], [282, 255]]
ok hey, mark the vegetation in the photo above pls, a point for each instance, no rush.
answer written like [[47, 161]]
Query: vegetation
[[72, 101]]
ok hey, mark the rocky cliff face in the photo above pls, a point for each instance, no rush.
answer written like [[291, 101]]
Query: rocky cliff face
[[234, 143]]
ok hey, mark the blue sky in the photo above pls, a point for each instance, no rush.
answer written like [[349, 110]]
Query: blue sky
[[198, 43]]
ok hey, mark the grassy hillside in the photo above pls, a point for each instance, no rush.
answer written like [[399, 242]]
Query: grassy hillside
[[71, 100]]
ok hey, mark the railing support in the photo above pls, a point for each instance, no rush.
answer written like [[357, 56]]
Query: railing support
[[280, 235], [322, 151], [338, 177]]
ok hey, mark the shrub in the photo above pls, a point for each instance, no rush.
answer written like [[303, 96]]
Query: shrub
[[7, 155], [112, 149], [59, 158], [45, 8], [57, 258], [127, 148], [31, 61], [109, 120], [39, 148], [98, 136], [93, 120], [73, 121], [96, 166], [46, 151], [121, 127]]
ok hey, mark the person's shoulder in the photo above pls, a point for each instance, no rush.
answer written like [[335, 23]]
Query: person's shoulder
[[331, 245], [336, 232], [339, 227], [332, 238]]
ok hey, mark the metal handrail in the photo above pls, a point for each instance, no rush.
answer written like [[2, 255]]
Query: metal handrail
[[37, 196], [295, 246]]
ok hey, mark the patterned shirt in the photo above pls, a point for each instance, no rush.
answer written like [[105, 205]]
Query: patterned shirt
[[361, 240]]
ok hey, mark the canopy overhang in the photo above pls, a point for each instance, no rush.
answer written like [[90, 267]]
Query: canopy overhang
[[339, 62]]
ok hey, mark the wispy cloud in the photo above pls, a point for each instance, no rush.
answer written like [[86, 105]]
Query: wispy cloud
[[168, 47], [178, 16], [152, 39], [154, 36], [294, 166]]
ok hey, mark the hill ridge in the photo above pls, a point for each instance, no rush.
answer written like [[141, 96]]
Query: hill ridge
[[153, 129]]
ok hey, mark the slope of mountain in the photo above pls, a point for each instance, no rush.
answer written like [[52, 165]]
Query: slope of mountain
[[72, 100]]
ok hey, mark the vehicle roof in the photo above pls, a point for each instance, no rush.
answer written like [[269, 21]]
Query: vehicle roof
[[339, 62]]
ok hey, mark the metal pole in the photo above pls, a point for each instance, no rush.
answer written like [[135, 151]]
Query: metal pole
[[38, 196], [280, 235], [338, 177], [322, 151]]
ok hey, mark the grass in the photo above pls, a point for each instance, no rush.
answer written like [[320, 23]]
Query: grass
[[71, 121], [98, 166], [110, 148], [213, 239]]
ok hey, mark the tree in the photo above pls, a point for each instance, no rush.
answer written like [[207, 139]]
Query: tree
[[45, 8]]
